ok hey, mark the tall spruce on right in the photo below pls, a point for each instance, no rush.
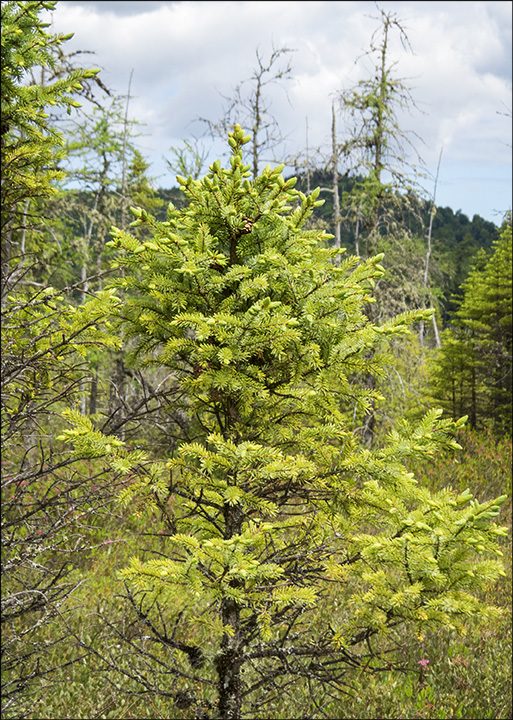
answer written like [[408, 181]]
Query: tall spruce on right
[[289, 555], [471, 374]]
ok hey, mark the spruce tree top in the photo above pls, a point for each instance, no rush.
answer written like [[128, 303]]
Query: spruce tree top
[[237, 298]]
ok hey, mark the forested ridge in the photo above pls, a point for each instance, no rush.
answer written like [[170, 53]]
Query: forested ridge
[[256, 428]]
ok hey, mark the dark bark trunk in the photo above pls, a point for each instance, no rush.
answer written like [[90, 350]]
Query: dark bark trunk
[[228, 663], [93, 394], [117, 397], [336, 200], [369, 420]]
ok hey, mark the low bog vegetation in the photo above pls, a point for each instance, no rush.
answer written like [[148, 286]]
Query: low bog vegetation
[[446, 675]]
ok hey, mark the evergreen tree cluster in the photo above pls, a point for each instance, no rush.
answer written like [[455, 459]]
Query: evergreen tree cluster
[[472, 371]]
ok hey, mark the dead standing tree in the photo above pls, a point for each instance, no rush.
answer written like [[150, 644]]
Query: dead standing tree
[[376, 147], [252, 108]]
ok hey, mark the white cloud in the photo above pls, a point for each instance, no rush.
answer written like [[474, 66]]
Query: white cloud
[[184, 54]]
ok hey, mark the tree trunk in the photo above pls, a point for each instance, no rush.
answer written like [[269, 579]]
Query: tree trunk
[[336, 200], [117, 397], [428, 256], [123, 156], [93, 394], [369, 420], [308, 168], [473, 407], [228, 662]]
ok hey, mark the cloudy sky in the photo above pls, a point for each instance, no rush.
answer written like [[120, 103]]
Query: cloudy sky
[[185, 56]]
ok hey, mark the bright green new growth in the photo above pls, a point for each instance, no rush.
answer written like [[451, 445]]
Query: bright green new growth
[[269, 498], [30, 145]]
